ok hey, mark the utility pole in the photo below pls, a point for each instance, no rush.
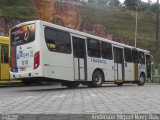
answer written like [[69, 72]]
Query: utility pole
[[157, 42], [135, 37]]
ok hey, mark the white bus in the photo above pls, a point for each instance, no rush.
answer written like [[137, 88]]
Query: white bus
[[45, 51]]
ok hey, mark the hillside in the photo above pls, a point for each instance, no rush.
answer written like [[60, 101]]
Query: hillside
[[17, 9], [119, 22]]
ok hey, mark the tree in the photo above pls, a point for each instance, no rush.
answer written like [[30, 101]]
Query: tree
[[103, 2], [153, 8], [4, 6], [7, 2], [144, 6], [132, 4], [149, 2], [114, 3]]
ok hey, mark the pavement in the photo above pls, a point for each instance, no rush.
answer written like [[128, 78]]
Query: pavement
[[129, 98]]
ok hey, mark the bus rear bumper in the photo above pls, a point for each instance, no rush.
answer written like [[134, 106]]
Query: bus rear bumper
[[30, 74]]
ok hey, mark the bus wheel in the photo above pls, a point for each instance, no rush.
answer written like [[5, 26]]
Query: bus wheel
[[72, 85], [97, 79], [119, 83], [141, 80]]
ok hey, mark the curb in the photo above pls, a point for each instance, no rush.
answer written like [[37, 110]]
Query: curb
[[10, 83]]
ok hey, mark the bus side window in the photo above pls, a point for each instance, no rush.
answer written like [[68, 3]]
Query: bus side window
[[106, 50], [141, 58], [93, 48], [58, 41], [4, 54], [128, 55], [51, 36], [63, 43], [148, 61], [135, 56]]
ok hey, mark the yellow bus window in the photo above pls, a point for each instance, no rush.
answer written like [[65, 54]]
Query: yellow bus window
[[4, 54]]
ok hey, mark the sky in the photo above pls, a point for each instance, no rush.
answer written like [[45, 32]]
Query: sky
[[142, 0]]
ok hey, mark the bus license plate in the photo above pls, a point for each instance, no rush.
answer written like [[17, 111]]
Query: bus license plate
[[22, 69]]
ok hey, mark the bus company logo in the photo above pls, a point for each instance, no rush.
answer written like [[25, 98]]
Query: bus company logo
[[98, 61], [22, 55]]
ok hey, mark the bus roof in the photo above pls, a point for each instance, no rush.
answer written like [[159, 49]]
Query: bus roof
[[4, 40], [82, 34]]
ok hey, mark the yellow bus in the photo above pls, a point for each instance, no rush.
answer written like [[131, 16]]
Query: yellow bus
[[4, 60]]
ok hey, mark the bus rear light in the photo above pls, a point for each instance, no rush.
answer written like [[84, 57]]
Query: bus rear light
[[36, 60]]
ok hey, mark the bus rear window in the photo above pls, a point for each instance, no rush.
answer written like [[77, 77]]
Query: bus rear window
[[23, 34]]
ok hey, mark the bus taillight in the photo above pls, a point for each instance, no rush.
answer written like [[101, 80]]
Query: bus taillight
[[36, 60]]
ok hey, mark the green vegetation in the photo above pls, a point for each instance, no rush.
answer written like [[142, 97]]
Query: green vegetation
[[17, 9], [118, 21], [121, 23]]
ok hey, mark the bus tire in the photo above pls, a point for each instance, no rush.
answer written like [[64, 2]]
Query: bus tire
[[72, 85], [97, 79], [141, 80]]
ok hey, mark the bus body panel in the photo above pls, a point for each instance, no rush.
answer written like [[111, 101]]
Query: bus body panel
[[129, 71], [22, 56], [105, 65], [56, 65], [141, 70], [109, 70]]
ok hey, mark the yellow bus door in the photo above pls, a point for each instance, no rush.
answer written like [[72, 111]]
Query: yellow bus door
[[4, 62]]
